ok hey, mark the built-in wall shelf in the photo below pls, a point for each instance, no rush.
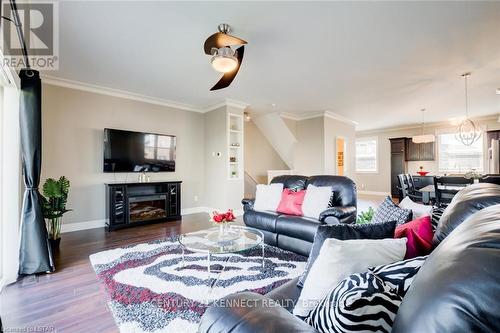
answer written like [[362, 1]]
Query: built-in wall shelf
[[235, 142]]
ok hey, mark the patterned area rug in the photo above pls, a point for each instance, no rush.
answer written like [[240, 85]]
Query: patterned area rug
[[150, 291]]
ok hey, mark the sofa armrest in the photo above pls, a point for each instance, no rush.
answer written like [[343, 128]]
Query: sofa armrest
[[338, 213], [247, 204], [248, 312]]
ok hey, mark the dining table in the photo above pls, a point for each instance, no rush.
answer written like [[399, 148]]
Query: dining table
[[428, 191]]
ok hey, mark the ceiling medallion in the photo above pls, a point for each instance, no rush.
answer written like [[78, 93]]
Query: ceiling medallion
[[468, 132]]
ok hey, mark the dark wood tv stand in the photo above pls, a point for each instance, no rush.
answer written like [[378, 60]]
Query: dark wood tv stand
[[132, 204]]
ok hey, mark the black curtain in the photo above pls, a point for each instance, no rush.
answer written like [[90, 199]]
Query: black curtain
[[35, 255]]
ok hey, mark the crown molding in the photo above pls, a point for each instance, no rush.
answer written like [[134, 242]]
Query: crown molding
[[427, 125], [341, 118], [93, 88], [316, 114], [55, 81], [227, 102]]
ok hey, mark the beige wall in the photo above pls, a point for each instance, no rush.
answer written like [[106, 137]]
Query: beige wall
[[222, 193], [309, 152], [73, 123], [260, 156], [333, 129], [381, 181]]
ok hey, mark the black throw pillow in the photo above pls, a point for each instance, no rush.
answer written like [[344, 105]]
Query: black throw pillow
[[345, 232]]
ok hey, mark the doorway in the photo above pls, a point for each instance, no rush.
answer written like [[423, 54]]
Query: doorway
[[340, 158]]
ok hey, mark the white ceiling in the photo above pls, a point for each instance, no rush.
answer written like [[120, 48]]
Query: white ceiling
[[377, 63]]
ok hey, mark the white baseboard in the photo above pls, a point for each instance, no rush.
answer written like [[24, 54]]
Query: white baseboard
[[374, 193], [70, 227]]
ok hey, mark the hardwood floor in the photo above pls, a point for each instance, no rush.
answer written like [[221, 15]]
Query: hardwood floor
[[71, 299]]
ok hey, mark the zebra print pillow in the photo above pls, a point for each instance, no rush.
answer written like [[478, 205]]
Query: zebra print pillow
[[399, 275], [361, 302]]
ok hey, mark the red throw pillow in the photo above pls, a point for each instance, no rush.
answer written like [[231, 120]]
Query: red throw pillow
[[291, 202], [419, 233]]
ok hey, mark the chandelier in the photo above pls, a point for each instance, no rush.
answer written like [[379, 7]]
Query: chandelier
[[423, 138], [468, 132]]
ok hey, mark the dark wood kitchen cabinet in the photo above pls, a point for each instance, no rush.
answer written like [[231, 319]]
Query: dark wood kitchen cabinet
[[398, 162], [419, 151]]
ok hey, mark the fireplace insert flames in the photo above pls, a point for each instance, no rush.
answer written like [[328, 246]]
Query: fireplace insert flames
[[145, 208]]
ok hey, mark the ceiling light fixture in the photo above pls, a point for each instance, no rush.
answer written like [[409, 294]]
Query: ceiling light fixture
[[468, 132], [423, 138], [247, 116], [498, 91], [223, 60]]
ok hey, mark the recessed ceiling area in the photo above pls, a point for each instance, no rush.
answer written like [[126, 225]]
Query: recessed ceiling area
[[376, 63]]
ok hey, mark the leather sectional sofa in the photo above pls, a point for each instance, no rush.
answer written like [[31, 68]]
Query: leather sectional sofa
[[296, 233], [456, 290]]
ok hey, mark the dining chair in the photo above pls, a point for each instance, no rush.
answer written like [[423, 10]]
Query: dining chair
[[413, 193], [445, 195], [405, 191], [492, 179]]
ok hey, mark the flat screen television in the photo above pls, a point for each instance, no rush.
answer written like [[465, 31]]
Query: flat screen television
[[127, 151]]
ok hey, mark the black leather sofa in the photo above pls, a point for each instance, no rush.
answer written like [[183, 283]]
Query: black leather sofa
[[456, 290], [296, 233]]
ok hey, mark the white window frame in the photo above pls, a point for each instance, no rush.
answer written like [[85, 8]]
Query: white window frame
[[453, 130], [377, 154]]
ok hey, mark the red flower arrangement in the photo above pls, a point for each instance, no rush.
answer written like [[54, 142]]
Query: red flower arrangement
[[223, 217]]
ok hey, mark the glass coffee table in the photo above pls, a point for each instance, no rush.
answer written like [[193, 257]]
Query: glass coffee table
[[237, 239]]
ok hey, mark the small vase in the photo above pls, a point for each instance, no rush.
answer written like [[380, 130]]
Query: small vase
[[222, 230]]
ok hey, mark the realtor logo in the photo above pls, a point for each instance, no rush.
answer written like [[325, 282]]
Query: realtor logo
[[40, 26]]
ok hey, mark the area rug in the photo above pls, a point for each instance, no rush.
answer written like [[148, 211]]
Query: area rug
[[150, 291]]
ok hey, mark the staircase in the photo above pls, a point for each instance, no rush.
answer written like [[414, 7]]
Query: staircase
[[250, 186], [278, 134]]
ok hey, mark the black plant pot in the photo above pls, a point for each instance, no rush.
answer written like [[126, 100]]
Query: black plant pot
[[54, 243]]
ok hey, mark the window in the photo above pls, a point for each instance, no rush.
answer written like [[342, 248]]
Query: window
[[455, 157], [366, 155]]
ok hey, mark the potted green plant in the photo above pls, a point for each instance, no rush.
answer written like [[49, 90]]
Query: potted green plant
[[55, 197]]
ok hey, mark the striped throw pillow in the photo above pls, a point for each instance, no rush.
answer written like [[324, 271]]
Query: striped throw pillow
[[361, 302], [399, 275]]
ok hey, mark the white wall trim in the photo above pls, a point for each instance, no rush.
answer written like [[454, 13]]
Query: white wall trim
[[93, 88], [428, 126], [341, 118], [227, 102], [316, 114], [374, 193], [70, 227]]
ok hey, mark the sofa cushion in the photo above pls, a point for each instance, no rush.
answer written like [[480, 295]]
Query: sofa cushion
[[457, 289], [291, 202], [294, 183], [399, 275], [465, 203], [343, 189], [338, 259], [316, 200], [344, 232], [297, 227], [261, 220], [419, 234], [361, 302], [417, 209], [389, 211], [267, 197]]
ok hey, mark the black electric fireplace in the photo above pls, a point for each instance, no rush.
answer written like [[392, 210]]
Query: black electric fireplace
[[131, 204], [147, 207]]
